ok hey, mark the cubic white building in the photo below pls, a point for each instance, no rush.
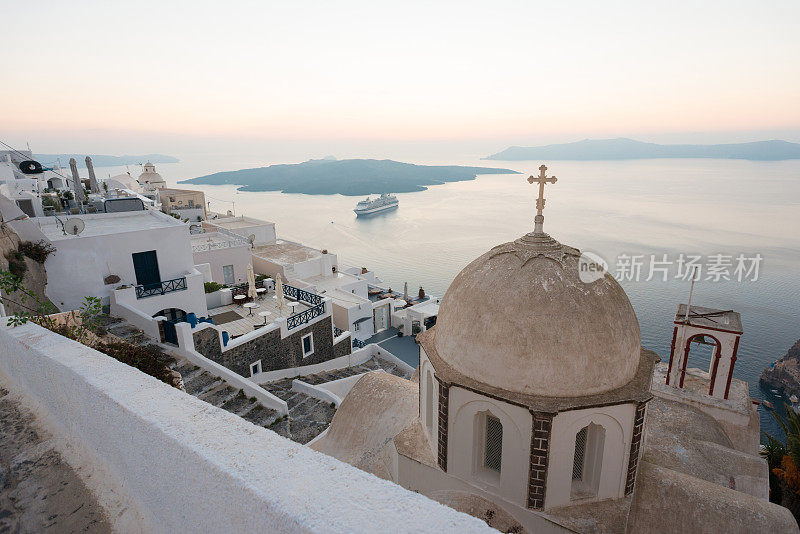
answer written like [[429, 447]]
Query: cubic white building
[[224, 257], [140, 258]]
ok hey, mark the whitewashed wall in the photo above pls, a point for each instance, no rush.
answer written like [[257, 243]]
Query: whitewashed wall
[[173, 463]]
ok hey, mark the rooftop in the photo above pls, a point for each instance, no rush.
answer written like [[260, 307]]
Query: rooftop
[[728, 320], [233, 223], [215, 240], [286, 252], [106, 223]]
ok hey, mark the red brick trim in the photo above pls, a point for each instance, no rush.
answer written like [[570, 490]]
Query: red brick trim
[[444, 404], [672, 352], [717, 355], [633, 460], [730, 370], [704, 327], [540, 453]]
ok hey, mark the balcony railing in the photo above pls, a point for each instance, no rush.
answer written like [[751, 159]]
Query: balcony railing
[[337, 331], [301, 318], [161, 288], [301, 295], [358, 344]]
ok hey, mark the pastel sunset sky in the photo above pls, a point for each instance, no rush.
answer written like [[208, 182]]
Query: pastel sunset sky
[[118, 77]]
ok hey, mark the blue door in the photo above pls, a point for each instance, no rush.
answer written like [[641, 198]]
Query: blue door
[[145, 264]]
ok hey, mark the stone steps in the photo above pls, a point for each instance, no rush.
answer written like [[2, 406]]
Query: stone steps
[[215, 391]]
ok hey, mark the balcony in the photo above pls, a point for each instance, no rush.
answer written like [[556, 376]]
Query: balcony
[[162, 288], [301, 295], [303, 317]]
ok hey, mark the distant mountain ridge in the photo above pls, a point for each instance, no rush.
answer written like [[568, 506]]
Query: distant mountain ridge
[[350, 177], [622, 148], [100, 160]]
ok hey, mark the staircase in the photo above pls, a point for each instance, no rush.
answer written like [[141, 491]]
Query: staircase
[[217, 392]]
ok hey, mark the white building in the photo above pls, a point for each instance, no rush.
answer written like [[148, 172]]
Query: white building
[[140, 258], [25, 188], [224, 257], [150, 181], [257, 231], [293, 261], [352, 308]]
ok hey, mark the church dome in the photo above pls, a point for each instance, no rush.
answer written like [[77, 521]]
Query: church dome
[[519, 318]]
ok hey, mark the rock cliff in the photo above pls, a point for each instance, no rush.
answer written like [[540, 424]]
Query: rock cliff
[[784, 375]]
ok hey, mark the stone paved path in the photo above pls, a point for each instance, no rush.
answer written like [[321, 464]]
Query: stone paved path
[[38, 491]]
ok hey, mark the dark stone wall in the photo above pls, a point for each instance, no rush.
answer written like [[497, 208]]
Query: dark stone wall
[[633, 460], [343, 348], [444, 406], [274, 352], [540, 456]]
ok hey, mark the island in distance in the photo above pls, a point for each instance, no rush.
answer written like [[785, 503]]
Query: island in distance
[[100, 160], [621, 148], [350, 177]]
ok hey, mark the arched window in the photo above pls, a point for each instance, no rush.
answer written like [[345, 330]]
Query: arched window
[[493, 448], [588, 461]]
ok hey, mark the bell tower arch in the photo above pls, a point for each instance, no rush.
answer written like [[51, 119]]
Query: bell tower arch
[[719, 328]]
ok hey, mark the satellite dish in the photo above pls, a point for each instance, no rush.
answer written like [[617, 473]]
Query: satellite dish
[[74, 226], [251, 238], [30, 167]]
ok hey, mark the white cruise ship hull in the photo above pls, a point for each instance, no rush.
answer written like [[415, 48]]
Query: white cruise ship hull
[[377, 209]]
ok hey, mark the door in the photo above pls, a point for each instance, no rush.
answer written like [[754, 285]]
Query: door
[[170, 334], [145, 264], [380, 318], [26, 206], [227, 274]]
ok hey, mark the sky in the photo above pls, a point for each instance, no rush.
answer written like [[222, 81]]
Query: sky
[[322, 77]]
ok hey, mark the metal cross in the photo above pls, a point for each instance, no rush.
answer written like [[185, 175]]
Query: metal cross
[[541, 180]]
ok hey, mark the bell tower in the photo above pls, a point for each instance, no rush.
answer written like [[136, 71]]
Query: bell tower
[[718, 328]]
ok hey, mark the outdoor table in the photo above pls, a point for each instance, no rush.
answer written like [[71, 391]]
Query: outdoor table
[[261, 291], [250, 306], [239, 298], [265, 314]]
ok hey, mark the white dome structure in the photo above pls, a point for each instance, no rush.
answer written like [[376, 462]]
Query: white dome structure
[[150, 177], [519, 318]]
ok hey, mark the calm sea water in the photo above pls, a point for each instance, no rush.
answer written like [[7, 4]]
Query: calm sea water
[[645, 207]]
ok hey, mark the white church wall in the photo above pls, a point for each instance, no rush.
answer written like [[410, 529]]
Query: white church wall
[[617, 421], [124, 429], [465, 444], [428, 399]]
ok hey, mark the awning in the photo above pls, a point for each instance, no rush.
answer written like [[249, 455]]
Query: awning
[[357, 321]]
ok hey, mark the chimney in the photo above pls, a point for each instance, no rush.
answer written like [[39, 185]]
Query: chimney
[[77, 186], [93, 187]]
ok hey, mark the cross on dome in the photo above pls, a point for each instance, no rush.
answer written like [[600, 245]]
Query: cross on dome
[[541, 180]]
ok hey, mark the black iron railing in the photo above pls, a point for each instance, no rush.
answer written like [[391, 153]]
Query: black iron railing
[[242, 289], [357, 343], [301, 318], [161, 288], [337, 331], [301, 295]]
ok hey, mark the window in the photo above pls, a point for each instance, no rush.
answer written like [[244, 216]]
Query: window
[[429, 404], [580, 454], [307, 343], [587, 462], [255, 368], [227, 275], [356, 327], [493, 452]]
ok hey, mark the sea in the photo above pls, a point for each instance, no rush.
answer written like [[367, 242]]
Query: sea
[[650, 220]]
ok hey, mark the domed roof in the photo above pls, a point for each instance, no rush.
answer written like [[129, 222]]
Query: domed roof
[[520, 319]]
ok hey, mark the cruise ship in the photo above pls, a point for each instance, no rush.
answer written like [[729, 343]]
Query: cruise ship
[[382, 203]]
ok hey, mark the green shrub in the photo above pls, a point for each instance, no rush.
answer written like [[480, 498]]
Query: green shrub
[[210, 287], [38, 251], [260, 277]]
